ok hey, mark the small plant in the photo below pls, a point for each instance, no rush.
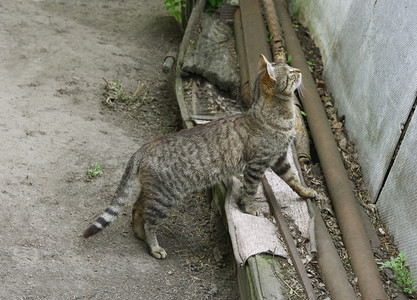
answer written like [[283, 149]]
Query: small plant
[[213, 4], [140, 95], [175, 8], [95, 172], [270, 37], [114, 92], [120, 93], [289, 59], [404, 278]]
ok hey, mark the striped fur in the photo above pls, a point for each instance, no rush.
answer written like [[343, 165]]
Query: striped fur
[[172, 167]]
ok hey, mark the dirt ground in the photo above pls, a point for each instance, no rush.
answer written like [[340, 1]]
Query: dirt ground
[[53, 127]]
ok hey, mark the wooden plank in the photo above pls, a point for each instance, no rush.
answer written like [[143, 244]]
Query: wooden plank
[[245, 282], [179, 90], [289, 242], [260, 279], [243, 68], [265, 271], [255, 39]]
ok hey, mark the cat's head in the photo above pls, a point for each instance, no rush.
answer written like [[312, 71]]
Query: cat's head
[[278, 78]]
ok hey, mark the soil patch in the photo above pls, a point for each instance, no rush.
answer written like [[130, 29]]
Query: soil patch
[[53, 127]]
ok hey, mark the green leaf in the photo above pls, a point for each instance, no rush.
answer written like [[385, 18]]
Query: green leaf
[[404, 278], [311, 63], [174, 8], [289, 59], [95, 172], [270, 37]]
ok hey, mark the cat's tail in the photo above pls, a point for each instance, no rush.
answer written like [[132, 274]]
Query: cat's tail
[[121, 196]]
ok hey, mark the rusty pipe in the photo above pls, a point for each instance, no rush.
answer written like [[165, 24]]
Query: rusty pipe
[[302, 142], [169, 61], [275, 39], [331, 267], [344, 203]]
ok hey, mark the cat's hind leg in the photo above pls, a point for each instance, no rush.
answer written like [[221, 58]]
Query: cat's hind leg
[[157, 205], [137, 219], [152, 241]]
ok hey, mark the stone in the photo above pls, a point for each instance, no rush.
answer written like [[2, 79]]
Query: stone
[[212, 54]]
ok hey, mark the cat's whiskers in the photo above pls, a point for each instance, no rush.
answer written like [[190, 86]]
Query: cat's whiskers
[[300, 89]]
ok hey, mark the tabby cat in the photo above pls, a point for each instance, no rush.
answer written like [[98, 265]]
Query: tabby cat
[[171, 167]]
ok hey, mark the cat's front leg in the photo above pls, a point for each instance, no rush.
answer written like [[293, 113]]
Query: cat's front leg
[[284, 170], [252, 176]]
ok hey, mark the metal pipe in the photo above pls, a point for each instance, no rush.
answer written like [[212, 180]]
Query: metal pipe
[[331, 267], [350, 223], [275, 36], [302, 142], [169, 61]]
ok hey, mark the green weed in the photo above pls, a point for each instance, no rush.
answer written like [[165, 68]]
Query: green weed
[[114, 92], [211, 5], [120, 93], [404, 278], [270, 36], [95, 172], [175, 8]]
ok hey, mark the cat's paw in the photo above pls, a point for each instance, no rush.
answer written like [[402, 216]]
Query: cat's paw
[[252, 211], [158, 252], [248, 207], [308, 193]]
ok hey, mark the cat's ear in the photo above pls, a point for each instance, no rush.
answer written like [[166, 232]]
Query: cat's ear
[[264, 64]]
